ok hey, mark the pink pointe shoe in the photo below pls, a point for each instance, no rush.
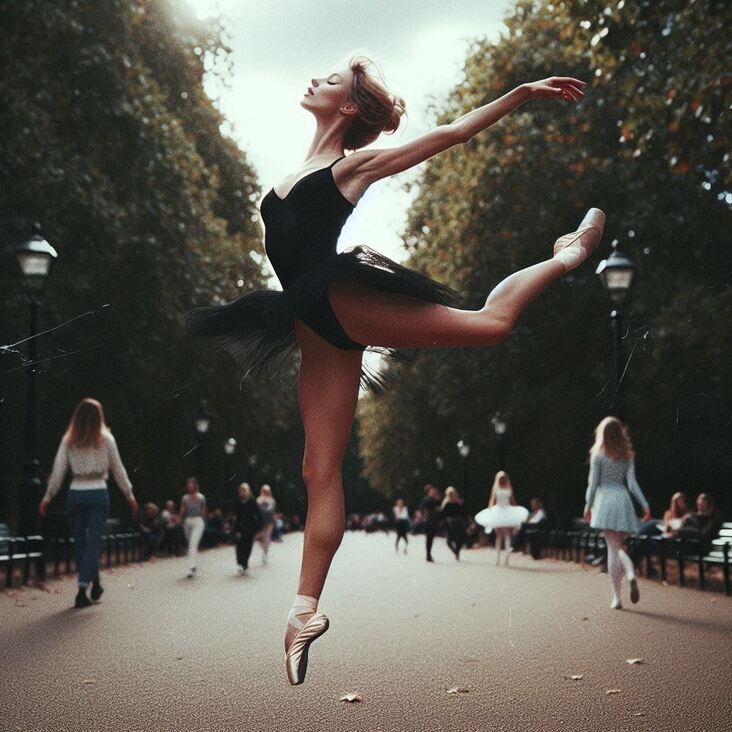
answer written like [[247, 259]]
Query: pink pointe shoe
[[573, 249], [296, 658]]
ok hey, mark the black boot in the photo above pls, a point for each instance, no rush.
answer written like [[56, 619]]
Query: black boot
[[96, 590], [81, 599]]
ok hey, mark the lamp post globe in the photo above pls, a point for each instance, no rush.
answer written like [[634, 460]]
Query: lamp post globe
[[35, 258], [202, 421], [230, 446], [616, 274]]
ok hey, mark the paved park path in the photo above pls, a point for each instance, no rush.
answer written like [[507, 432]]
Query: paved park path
[[165, 653]]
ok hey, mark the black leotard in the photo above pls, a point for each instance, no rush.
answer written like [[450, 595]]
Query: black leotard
[[301, 233], [301, 230]]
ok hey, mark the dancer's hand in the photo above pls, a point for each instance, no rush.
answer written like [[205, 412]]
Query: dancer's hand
[[588, 515], [134, 506], [42, 508], [557, 87], [646, 514]]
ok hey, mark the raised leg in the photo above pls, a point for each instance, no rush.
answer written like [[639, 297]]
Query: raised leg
[[328, 393], [378, 318]]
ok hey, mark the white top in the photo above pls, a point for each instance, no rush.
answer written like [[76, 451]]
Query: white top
[[401, 514], [90, 466], [503, 496], [195, 505], [537, 516]]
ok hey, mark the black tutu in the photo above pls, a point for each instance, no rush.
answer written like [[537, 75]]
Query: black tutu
[[257, 329]]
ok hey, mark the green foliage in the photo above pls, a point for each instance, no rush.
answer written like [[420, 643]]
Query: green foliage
[[110, 141], [650, 145]]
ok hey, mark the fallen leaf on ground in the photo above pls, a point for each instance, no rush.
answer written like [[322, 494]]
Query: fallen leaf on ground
[[633, 661], [585, 618], [89, 681], [351, 698], [575, 677], [457, 690], [179, 658], [132, 587], [614, 691], [639, 714]]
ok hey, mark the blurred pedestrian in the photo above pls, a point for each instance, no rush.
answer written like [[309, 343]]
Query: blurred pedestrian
[[401, 523], [193, 515], [173, 537], [90, 452], [267, 506], [429, 507], [151, 530], [502, 515], [454, 514], [246, 525], [530, 530], [608, 504]]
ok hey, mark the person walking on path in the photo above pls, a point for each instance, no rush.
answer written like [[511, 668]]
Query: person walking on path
[[193, 514], [502, 515], [608, 504], [267, 506], [333, 305], [453, 512], [401, 523], [429, 507], [89, 450], [246, 524]]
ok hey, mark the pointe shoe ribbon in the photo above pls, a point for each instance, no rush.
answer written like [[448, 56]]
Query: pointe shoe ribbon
[[571, 250], [296, 657]]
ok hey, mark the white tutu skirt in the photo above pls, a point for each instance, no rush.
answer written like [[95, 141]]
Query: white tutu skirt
[[501, 517]]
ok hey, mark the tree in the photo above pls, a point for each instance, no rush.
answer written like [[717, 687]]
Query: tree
[[110, 141], [497, 203]]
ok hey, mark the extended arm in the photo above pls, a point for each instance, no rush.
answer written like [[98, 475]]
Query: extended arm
[[371, 165], [60, 466], [593, 481]]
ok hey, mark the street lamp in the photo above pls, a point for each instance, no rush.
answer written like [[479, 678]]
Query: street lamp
[[464, 450], [499, 427], [35, 257], [229, 449], [202, 420], [616, 274]]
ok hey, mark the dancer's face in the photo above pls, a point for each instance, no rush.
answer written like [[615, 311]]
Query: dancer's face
[[330, 94]]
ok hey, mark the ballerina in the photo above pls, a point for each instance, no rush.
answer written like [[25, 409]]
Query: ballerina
[[335, 305], [502, 515]]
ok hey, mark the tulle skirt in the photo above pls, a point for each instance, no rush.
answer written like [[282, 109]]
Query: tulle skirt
[[257, 330], [501, 517]]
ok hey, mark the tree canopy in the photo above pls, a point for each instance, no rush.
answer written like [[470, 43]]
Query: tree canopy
[[110, 141], [650, 145]]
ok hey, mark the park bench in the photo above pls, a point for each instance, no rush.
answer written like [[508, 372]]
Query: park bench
[[25, 549], [718, 554]]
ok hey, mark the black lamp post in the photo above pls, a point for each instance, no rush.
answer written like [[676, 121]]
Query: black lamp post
[[229, 449], [616, 274], [202, 422], [499, 427], [36, 257], [464, 450]]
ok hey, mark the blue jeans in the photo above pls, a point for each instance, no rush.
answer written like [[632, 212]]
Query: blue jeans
[[88, 511]]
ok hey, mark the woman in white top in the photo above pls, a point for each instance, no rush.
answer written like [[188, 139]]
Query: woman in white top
[[193, 513], [267, 505], [608, 504], [401, 522], [502, 514], [89, 450]]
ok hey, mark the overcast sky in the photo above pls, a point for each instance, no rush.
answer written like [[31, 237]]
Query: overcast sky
[[279, 46]]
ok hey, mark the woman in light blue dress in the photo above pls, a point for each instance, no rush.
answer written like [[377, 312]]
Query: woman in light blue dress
[[608, 505]]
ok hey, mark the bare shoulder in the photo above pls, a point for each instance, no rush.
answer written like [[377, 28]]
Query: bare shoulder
[[353, 175]]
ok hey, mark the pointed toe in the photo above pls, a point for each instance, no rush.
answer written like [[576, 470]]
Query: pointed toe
[[296, 657]]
